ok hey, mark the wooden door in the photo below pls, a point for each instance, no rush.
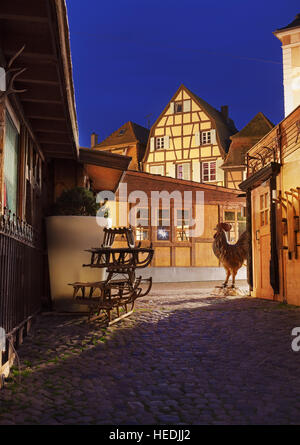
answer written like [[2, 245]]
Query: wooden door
[[261, 241]]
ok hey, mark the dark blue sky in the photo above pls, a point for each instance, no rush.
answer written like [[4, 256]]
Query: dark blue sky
[[129, 58]]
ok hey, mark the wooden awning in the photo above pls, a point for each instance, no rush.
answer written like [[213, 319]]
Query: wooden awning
[[105, 169], [48, 105]]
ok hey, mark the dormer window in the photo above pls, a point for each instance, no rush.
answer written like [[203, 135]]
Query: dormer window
[[178, 107], [121, 132]]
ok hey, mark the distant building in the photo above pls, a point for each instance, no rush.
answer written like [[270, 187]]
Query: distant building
[[129, 140], [235, 163]]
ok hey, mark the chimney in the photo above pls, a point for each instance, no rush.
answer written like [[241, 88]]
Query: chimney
[[225, 112], [290, 39], [94, 139]]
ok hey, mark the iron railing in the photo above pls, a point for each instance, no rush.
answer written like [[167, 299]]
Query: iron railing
[[21, 271]]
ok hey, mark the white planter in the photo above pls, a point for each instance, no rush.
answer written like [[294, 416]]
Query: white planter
[[68, 238]]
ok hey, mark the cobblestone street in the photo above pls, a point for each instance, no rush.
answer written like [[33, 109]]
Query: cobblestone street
[[183, 357]]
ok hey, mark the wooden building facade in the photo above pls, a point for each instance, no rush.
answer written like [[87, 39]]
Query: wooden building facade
[[39, 155], [180, 255], [273, 197], [273, 189]]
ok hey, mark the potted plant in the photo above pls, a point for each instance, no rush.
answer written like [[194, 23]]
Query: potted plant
[[71, 230]]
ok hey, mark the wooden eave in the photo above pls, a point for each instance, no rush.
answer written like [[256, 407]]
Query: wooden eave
[[260, 176], [105, 169], [199, 185], [48, 106]]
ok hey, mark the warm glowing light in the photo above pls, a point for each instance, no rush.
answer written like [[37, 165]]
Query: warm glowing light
[[296, 84]]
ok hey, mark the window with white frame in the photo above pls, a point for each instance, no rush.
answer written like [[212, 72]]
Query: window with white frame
[[205, 137], [159, 143], [183, 171], [209, 171], [235, 218]]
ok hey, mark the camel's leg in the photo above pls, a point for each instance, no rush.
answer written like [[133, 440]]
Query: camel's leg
[[227, 277]]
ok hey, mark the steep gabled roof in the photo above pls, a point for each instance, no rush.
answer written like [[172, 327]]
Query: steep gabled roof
[[242, 141], [294, 24], [257, 127], [224, 128], [128, 133]]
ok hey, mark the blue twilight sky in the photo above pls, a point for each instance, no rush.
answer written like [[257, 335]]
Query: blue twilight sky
[[130, 56]]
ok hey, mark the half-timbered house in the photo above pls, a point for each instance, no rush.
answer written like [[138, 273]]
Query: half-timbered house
[[189, 140]]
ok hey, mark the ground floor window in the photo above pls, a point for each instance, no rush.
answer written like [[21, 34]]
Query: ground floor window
[[237, 221], [11, 162], [163, 225], [142, 224], [182, 225], [264, 209]]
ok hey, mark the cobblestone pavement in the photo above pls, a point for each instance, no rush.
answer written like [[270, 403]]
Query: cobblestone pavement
[[183, 357]]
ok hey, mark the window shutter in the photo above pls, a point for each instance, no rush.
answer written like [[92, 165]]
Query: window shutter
[[186, 105], [172, 172], [213, 136], [166, 142], [197, 139], [219, 170], [186, 171], [160, 170], [196, 171], [152, 144], [172, 107]]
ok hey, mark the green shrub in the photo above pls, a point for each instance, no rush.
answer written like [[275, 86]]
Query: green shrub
[[77, 202]]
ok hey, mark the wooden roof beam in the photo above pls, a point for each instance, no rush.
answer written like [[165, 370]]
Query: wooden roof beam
[[49, 142], [41, 101], [23, 18], [48, 118], [38, 81]]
